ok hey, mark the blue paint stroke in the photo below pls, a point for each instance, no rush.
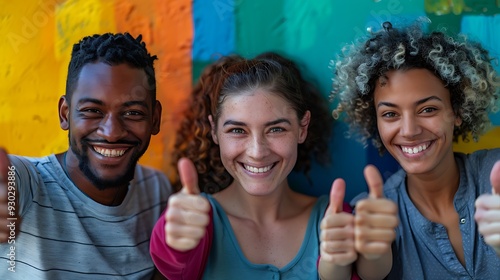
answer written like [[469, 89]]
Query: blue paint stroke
[[214, 29]]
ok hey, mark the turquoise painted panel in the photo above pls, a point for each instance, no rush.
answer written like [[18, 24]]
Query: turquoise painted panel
[[311, 33], [260, 26]]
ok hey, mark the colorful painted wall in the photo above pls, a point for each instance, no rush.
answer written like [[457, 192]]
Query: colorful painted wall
[[38, 37], [187, 35]]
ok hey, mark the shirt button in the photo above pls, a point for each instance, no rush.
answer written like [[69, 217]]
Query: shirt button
[[462, 221]]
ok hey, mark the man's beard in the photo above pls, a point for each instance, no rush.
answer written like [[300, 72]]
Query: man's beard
[[100, 183]]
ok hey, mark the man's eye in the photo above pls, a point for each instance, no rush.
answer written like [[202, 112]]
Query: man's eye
[[133, 113], [89, 111]]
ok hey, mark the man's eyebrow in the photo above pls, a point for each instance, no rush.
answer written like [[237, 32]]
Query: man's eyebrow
[[90, 100], [135, 102]]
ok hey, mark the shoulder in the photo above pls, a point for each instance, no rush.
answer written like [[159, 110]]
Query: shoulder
[[480, 156], [478, 161], [30, 166], [148, 176], [393, 184]]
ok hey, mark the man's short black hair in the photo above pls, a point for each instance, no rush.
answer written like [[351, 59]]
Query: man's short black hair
[[112, 49]]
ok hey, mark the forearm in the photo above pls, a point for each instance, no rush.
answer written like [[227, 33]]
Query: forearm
[[329, 271], [374, 269], [175, 264]]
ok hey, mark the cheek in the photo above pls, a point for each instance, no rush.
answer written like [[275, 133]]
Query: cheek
[[383, 130], [286, 148], [141, 130], [229, 147]]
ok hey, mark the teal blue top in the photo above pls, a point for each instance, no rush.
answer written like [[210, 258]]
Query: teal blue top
[[227, 261]]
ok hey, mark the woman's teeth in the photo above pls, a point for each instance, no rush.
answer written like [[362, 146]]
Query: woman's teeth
[[414, 150], [257, 169]]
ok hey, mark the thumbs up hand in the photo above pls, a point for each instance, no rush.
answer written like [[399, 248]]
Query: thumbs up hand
[[337, 230], [487, 213], [187, 211], [375, 219]]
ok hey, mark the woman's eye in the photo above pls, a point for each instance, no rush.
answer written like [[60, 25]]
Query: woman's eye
[[237, 131], [428, 110], [389, 115], [276, 129]]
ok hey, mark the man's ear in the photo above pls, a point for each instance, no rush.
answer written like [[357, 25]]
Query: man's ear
[[156, 118], [304, 125], [212, 130], [63, 107]]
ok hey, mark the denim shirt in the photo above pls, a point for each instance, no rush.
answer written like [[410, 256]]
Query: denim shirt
[[422, 249]]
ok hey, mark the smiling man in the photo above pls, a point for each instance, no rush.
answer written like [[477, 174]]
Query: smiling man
[[88, 213]]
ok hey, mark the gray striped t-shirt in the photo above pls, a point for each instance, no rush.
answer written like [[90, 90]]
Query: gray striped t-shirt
[[66, 235]]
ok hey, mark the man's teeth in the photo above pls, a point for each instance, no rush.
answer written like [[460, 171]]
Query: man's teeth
[[414, 150], [258, 170], [110, 152]]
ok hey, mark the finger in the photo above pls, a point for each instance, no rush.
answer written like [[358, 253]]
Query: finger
[[487, 202], [373, 206], [182, 217], [374, 181], [337, 194], [337, 220], [188, 202], [376, 221], [181, 244], [495, 178], [343, 234], [375, 235], [188, 176], [184, 231]]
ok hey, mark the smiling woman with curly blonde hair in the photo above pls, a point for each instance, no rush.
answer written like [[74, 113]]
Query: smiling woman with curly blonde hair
[[414, 93], [465, 67]]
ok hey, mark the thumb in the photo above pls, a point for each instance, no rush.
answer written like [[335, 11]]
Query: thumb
[[374, 181], [495, 178], [337, 194], [188, 176]]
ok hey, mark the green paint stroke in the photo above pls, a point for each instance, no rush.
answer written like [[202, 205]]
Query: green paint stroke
[[260, 26], [305, 22]]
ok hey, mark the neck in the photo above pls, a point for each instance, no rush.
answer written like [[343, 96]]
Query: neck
[[109, 197], [435, 190], [260, 209]]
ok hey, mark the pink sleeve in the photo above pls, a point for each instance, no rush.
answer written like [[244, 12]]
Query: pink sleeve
[[174, 264], [347, 208]]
